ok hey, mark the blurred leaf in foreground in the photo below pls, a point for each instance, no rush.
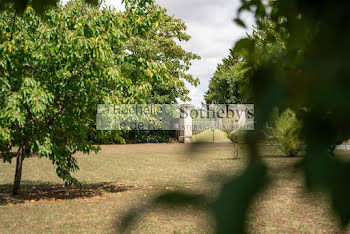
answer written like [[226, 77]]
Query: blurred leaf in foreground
[[231, 207]]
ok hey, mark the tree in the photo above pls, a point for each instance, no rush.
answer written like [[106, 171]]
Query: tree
[[224, 87], [286, 130], [231, 78], [160, 46], [55, 69]]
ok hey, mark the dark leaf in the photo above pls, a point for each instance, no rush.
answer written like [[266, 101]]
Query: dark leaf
[[40, 7], [93, 2], [243, 47], [239, 22]]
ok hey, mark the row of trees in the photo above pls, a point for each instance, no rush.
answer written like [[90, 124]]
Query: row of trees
[[57, 64]]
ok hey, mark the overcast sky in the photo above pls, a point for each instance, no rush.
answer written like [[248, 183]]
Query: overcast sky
[[210, 23]]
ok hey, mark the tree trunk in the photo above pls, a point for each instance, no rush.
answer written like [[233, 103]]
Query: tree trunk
[[18, 176]]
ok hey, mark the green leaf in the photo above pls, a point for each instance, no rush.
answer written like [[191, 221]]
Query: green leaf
[[240, 22]]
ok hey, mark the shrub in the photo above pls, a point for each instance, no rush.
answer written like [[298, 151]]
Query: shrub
[[150, 137], [237, 140], [287, 131]]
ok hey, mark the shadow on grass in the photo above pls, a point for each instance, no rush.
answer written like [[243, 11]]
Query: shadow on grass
[[167, 201], [40, 190]]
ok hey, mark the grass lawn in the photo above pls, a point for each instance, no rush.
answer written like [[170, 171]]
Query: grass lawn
[[122, 177], [207, 137]]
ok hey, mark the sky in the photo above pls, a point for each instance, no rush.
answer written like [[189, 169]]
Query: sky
[[210, 24]]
